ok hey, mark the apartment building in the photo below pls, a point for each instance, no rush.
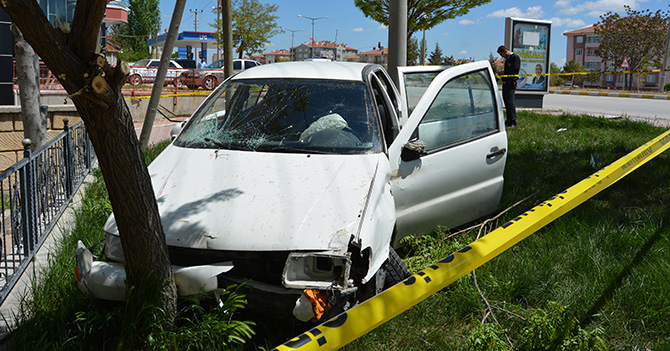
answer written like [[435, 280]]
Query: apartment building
[[582, 47], [325, 49]]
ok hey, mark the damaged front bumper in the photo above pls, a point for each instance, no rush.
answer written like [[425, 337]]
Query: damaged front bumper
[[304, 295], [107, 280]]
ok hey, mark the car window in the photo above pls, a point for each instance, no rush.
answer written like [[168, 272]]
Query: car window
[[237, 65], [286, 115], [415, 86], [216, 64], [172, 65], [463, 109], [141, 62], [154, 63], [249, 64]]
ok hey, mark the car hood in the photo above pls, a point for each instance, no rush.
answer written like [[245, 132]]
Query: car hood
[[240, 200]]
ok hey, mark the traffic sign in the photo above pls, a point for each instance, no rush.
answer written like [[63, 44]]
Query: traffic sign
[[625, 63]]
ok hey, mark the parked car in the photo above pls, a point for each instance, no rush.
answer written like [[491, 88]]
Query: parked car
[[308, 175], [210, 77], [144, 71]]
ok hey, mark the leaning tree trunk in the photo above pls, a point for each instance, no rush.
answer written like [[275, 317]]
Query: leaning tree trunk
[[95, 89], [28, 78]]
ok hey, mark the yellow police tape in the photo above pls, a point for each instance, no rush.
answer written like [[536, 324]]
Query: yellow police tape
[[167, 95], [357, 321], [580, 73]]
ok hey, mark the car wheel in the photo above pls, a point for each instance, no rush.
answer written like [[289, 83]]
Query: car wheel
[[396, 271], [209, 83], [178, 83], [135, 79]]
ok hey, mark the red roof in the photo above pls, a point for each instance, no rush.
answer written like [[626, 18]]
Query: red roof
[[384, 51], [586, 30]]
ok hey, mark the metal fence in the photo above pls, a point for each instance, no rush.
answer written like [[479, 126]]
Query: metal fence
[[35, 192]]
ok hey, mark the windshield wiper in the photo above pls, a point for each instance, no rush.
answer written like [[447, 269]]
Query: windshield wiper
[[289, 149]]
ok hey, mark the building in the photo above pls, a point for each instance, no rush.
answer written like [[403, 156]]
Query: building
[[276, 56], [582, 47], [324, 49], [374, 56]]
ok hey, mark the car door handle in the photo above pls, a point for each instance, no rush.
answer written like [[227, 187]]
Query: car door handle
[[496, 152]]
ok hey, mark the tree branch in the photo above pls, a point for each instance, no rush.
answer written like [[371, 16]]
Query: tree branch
[[86, 26]]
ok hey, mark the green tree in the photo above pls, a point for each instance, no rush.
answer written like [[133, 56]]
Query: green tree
[[573, 67], [254, 24], [435, 57], [95, 89], [639, 36], [594, 76], [555, 80], [421, 14], [449, 60], [143, 23], [413, 52]]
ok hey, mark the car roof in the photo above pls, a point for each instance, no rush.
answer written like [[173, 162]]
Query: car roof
[[309, 70]]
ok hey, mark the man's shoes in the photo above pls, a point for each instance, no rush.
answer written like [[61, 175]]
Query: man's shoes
[[510, 124]]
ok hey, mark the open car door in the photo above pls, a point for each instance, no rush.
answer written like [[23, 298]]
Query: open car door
[[448, 160]]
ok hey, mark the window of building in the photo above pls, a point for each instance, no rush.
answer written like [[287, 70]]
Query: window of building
[[593, 39], [592, 64], [651, 78], [580, 39], [609, 77], [579, 52], [592, 52]]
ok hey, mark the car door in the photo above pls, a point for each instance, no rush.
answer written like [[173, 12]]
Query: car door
[[448, 160]]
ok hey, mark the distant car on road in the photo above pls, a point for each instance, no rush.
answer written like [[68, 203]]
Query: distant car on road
[[144, 71], [210, 77]]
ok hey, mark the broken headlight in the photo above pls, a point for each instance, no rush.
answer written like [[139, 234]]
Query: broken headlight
[[316, 270], [112, 248]]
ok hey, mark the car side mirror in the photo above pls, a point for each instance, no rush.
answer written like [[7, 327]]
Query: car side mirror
[[413, 150]]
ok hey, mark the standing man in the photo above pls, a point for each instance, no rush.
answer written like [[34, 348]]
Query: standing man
[[511, 67], [203, 63]]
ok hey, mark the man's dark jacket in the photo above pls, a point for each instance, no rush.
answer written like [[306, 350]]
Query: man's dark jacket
[[512, 66]]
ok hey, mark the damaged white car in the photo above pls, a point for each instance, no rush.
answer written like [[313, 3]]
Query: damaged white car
[[298, 179]]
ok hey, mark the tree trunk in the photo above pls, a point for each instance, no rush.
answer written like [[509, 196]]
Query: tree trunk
[[95, 89], [150, 117], [28, 78]]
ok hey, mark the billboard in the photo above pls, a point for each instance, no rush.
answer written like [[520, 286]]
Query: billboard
[[530, 40]]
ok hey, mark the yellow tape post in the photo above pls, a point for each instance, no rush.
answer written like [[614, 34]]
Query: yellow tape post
[[168, 95], [359, 320]]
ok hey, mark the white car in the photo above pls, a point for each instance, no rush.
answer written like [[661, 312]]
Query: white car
[[305, 175]]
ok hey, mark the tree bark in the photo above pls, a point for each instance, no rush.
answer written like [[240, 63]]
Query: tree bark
[[150, 117], [95, 89], [28, 78]]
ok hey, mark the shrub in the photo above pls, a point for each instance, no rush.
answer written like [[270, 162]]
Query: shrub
[[666, 87]]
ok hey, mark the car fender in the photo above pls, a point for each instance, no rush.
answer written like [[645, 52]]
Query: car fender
[[378, 220]]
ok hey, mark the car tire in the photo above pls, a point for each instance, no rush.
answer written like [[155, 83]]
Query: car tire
[[135, 79], [209, 83], [178, 83], [396, 271]]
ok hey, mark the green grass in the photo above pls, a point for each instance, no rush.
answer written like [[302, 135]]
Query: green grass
[[604, 264], [595, 276]]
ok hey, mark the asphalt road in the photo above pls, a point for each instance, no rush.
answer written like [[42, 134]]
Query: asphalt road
[[636, 108]]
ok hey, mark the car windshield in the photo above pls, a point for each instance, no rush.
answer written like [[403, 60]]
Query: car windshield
[[286, 115]]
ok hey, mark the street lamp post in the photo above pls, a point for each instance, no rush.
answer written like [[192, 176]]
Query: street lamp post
[[293, 34], [313, 19]]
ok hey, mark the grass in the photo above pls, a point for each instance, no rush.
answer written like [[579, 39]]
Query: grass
[[595, 277], [605, 264]]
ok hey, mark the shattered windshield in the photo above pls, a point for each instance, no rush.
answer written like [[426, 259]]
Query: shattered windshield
[[286, 115]]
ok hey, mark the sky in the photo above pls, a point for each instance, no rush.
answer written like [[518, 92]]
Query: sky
[[475, 35]]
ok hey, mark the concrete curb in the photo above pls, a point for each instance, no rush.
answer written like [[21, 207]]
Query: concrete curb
[[603, 93]]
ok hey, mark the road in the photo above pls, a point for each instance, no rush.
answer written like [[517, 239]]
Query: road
[[650, 109]]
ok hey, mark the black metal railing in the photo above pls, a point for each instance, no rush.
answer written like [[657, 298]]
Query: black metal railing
[[35, 193]]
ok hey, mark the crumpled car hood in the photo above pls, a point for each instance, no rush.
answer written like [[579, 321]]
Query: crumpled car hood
[[240, 200]]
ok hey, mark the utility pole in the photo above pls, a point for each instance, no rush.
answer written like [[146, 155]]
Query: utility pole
[[196, 18], [227, 25], [313, 19], [397, 38], [292, 36], [218, 34]]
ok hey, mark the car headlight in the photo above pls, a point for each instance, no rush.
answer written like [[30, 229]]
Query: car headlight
[[316, 270], [113, 249]]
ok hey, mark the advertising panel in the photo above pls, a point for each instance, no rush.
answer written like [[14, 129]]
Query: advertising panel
[[530, 40]]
